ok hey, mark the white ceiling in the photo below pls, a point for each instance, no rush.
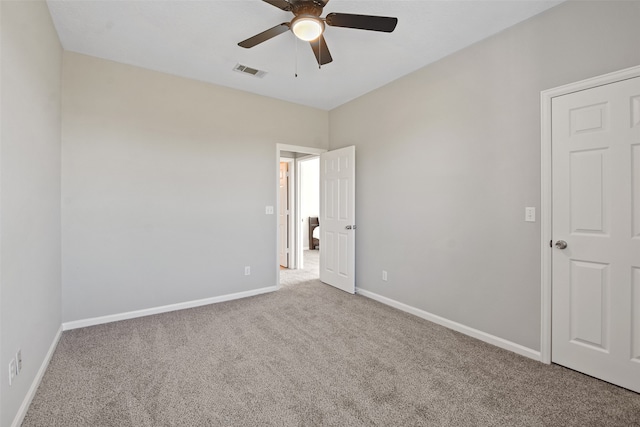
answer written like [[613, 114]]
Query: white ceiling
[[199, 40]]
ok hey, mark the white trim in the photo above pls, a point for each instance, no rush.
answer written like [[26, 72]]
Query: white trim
[[299, 149], [545, 229], [291, 252], [163, 309], [297, 200], [293, 260], [26, 402], [546, 192], [475, 333]]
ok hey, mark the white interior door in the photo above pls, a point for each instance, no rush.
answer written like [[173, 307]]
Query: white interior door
[[596, 211], [337, 218], [283, 215]]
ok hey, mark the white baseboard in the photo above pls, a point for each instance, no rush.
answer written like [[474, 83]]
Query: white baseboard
[[24, 407], [83, 323], [475, 333]]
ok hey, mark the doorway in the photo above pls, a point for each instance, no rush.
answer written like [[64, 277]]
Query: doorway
[[337, 214], [303, 204], [299, 186]]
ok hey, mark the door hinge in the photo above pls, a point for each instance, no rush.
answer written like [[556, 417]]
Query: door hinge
[[551, 243]]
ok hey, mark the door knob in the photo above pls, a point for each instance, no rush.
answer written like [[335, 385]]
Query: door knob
[[561, 244]]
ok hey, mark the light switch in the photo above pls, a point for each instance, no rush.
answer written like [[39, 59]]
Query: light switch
[[269, 210], [530, 214]]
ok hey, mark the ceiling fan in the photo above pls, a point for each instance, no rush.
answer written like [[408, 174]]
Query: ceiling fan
[[307, 25]]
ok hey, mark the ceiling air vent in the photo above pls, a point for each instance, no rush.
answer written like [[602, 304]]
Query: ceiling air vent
[[248, 70]]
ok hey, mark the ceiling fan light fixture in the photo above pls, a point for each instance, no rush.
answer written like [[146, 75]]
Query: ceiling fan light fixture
[[307, 28]]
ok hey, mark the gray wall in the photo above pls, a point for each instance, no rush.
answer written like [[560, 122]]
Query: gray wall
[[164, 186], [29, 195], [449, 156]]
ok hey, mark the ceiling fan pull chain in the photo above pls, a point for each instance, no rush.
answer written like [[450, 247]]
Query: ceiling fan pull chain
[[296, 66], [320, 52]]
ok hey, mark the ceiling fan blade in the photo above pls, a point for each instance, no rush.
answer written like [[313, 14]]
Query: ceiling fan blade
[[264, 36], [280, 4], [321, 50], [362, 22]]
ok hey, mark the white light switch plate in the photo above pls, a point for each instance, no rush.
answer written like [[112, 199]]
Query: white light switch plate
[[12, 370], [18, 362], [530, 214]]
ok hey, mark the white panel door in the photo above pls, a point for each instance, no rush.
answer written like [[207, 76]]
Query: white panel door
[[337, 218], [596, 211], [283, 215]]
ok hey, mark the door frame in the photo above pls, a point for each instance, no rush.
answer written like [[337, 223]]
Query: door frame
[[292, 261], [546, 193], [297, 227]]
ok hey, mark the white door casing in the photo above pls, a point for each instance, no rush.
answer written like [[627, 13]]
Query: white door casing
[[595, 293], [283, 215], [337, 218], [295, 228]]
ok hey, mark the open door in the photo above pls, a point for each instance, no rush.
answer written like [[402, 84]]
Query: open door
[[337, 218]]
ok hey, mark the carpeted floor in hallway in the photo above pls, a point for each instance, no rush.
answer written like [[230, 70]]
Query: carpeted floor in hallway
[[309, 271]]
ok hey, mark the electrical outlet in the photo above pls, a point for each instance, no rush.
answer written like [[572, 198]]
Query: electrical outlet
[[269, 210], [384, 275], [247, 271], [18, 362], [12, 370]]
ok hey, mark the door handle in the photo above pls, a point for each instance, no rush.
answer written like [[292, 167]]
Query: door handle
[[561, 244], [348, 227]]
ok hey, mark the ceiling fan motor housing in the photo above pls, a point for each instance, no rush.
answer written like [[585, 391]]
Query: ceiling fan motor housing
[[309, 8]]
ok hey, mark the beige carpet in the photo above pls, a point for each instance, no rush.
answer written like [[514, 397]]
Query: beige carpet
[[308, 355], [310, 270]]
